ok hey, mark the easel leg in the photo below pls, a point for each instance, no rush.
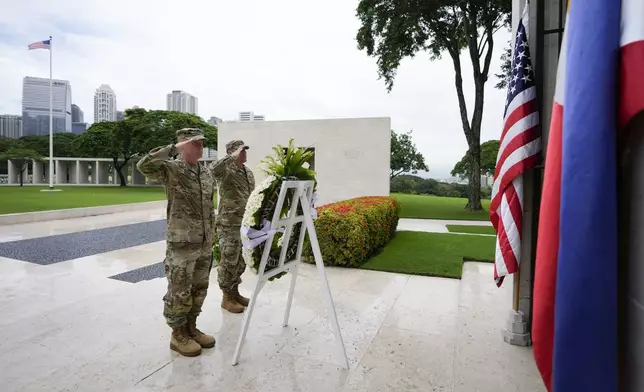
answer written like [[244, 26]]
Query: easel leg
[[246, 322], [332, 314], [294, 272]]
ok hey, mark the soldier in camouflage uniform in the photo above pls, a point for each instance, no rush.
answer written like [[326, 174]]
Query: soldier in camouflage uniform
[[236, 182], [190, 219]]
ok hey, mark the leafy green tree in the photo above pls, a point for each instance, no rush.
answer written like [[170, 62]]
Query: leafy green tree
[[5, 144], [428, 186], [394, 29], [404, 156], [20, 157], [489, 153], [109, 139], [139, 132], [159, 127], [506, 68], [63, 142]]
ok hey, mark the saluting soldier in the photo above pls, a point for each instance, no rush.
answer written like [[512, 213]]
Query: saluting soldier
[[236, 182], [189, 239]]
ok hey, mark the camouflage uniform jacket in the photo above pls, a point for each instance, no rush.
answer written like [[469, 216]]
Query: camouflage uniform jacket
[[189, 190], [235, 186]]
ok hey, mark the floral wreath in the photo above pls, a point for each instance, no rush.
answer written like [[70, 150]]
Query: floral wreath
[[288, 164]]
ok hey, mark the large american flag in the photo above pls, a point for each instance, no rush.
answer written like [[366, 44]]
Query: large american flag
[[40, 45], [519, 151]]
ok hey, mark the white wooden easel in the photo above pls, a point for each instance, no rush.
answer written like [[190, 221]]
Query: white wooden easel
[[302, 196]]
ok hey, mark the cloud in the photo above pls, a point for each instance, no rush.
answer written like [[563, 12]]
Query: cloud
[[286, 59]]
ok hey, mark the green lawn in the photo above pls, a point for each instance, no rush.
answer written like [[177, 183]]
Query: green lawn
[[431, 254], [15, 199], [434, 207], [471, 229]]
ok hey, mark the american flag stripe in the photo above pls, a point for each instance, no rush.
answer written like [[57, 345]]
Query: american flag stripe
[[519, 151]]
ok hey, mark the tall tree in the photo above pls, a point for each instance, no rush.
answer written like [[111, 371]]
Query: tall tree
[[404, 156], [139, 132], [394, 29], [489, 152], [40, 143], [20, 157]]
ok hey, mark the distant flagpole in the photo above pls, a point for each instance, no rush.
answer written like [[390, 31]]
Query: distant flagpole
[[48, 45], [51, 118]]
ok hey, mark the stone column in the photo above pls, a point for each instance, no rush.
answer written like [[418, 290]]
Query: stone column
[[37, 176], [102, 173], [11, 169], [137, 177], [82, 170]]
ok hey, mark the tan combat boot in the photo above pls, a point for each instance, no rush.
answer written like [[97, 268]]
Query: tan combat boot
[[183, 344], [229, 303], [243, 301], [205, 341]]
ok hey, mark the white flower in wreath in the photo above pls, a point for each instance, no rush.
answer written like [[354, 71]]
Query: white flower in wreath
[[252, 205]]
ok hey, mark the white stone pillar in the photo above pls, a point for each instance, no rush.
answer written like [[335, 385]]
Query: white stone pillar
[[102, 173], [137, 177], [11, 179], [83, 172], [37, 176]]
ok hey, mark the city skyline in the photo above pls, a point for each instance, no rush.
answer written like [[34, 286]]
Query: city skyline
[[105, 103]]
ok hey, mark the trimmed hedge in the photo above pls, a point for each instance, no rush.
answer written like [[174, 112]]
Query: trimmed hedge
[[351, 231]]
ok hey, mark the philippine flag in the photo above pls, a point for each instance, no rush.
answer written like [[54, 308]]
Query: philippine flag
[[575, 330]]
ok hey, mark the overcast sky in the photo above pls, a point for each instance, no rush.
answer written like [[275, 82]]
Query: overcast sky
[[286, 59]]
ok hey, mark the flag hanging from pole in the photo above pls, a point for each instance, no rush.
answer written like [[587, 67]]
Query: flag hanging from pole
[[46, 44], [575, 326], [519, 151]]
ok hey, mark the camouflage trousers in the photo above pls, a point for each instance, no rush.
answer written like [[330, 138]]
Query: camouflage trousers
[[187, 268], [231, 263]]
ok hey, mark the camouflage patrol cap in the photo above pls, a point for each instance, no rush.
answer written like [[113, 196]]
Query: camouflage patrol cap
[[234, 145], [191, 134]]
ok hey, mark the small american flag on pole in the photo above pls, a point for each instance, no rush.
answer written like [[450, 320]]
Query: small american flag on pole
[[46, 44], [519, 151]]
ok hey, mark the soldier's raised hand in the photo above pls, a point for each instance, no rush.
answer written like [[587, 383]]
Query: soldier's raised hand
[[179, 146], [238, 150]]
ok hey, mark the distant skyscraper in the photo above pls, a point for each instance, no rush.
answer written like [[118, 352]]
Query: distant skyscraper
[[77, 114], [251, 116], [35, 106], [120, 115], [181, 101], [215, 121], [10, 126], [79, 127], [104, 104]]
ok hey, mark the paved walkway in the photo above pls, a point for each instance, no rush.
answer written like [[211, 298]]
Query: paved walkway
[[87, 323], [437, 225]]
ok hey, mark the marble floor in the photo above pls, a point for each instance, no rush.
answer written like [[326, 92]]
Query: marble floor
[[77, 320]]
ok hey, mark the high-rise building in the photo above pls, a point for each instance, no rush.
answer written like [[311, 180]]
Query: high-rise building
[[11, 126], [215, 121], [104, 104], [77, 114], [120, 115], [181, 101], [35, 106], [79, 127], [251, 116]]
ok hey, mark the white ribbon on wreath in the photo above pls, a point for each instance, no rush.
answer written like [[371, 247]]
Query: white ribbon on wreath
[[251, 238]]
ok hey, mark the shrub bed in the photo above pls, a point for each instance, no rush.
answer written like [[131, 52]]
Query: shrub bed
[[351, 231]]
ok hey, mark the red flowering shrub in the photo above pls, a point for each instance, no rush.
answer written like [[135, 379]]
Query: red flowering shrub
[[351, 231]]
